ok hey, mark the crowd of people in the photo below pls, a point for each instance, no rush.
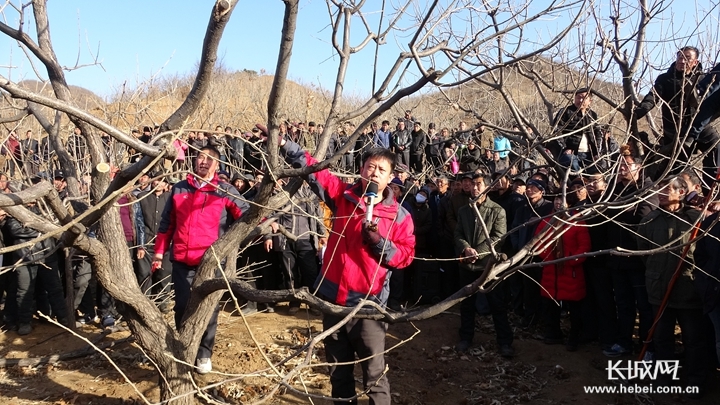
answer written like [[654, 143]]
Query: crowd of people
[[450, 203]]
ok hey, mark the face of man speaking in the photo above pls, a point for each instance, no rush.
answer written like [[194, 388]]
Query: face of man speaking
[[206, 164]]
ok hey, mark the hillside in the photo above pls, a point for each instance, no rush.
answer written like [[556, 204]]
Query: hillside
[[239, 99]]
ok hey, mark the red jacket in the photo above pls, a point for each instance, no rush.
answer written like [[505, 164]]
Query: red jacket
[[353, 270], [195, 217], [565, 280]]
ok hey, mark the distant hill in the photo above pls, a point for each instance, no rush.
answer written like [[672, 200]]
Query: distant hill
[[239, 99]]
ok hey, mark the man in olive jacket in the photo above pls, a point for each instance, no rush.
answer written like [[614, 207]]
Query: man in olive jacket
[[472, 245], [669, 227]]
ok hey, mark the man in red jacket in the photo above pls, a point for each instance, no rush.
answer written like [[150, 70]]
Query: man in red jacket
[[199, 210], [355, 266]]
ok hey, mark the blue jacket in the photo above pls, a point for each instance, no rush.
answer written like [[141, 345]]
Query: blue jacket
[[502, 145]]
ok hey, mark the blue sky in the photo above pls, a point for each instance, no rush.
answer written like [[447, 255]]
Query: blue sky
[[137, 39]]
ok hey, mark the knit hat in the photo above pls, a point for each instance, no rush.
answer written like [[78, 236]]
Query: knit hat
[[537, 183]]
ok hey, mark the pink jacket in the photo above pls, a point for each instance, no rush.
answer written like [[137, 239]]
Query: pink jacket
[[180, 146]]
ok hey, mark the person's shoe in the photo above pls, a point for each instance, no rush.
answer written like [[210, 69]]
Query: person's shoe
[[250, 308], [506, 351], [24, 329], [293, 310], [462, 346], [269, 309], [108, 321], [203, 366], [87, 320], [616, 351], [64, 321]]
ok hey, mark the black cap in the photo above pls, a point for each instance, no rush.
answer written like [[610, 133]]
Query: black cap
[[466, 175], [58, 174]]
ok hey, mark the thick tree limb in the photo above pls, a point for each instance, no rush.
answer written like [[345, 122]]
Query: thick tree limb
[[34, 193]]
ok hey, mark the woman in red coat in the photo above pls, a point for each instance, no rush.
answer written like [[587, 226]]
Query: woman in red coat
[[564, 281]]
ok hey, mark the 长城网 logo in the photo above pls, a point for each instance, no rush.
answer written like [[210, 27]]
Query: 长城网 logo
[[642, 370]]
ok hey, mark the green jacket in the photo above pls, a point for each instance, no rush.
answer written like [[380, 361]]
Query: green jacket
[[469, 232], [660, 228]]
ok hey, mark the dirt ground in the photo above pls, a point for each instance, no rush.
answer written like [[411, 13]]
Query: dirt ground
[[423, 369]]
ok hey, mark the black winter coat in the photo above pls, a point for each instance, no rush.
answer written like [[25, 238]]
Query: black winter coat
[[401, 138], [621, 231], [14, 233], [572, 122], [419, 142], [680, 99]]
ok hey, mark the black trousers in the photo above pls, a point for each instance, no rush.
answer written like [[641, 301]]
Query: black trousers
[[601, 311], [363, 337], [498, 310], [403, 157], [531, 295], [551, 318], [416, 163], [300, 266], [183, 276], [691, 325], [21, 294], [155, 285]]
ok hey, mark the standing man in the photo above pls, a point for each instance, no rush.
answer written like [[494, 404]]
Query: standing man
[[30, 151], [13, 153], [356, 266], [670, 227], [152, 204], [474, 249], [401, 141], [578, 146], [383, 135], [433, 150], [628, 272], [417, 148], [526, 219], [676, 90], [200, 209]]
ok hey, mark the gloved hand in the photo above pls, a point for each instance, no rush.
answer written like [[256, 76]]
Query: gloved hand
[[370, 236]]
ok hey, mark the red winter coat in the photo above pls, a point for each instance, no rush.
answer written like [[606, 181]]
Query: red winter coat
[[353, 270], [196, 216], [565, 280]]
